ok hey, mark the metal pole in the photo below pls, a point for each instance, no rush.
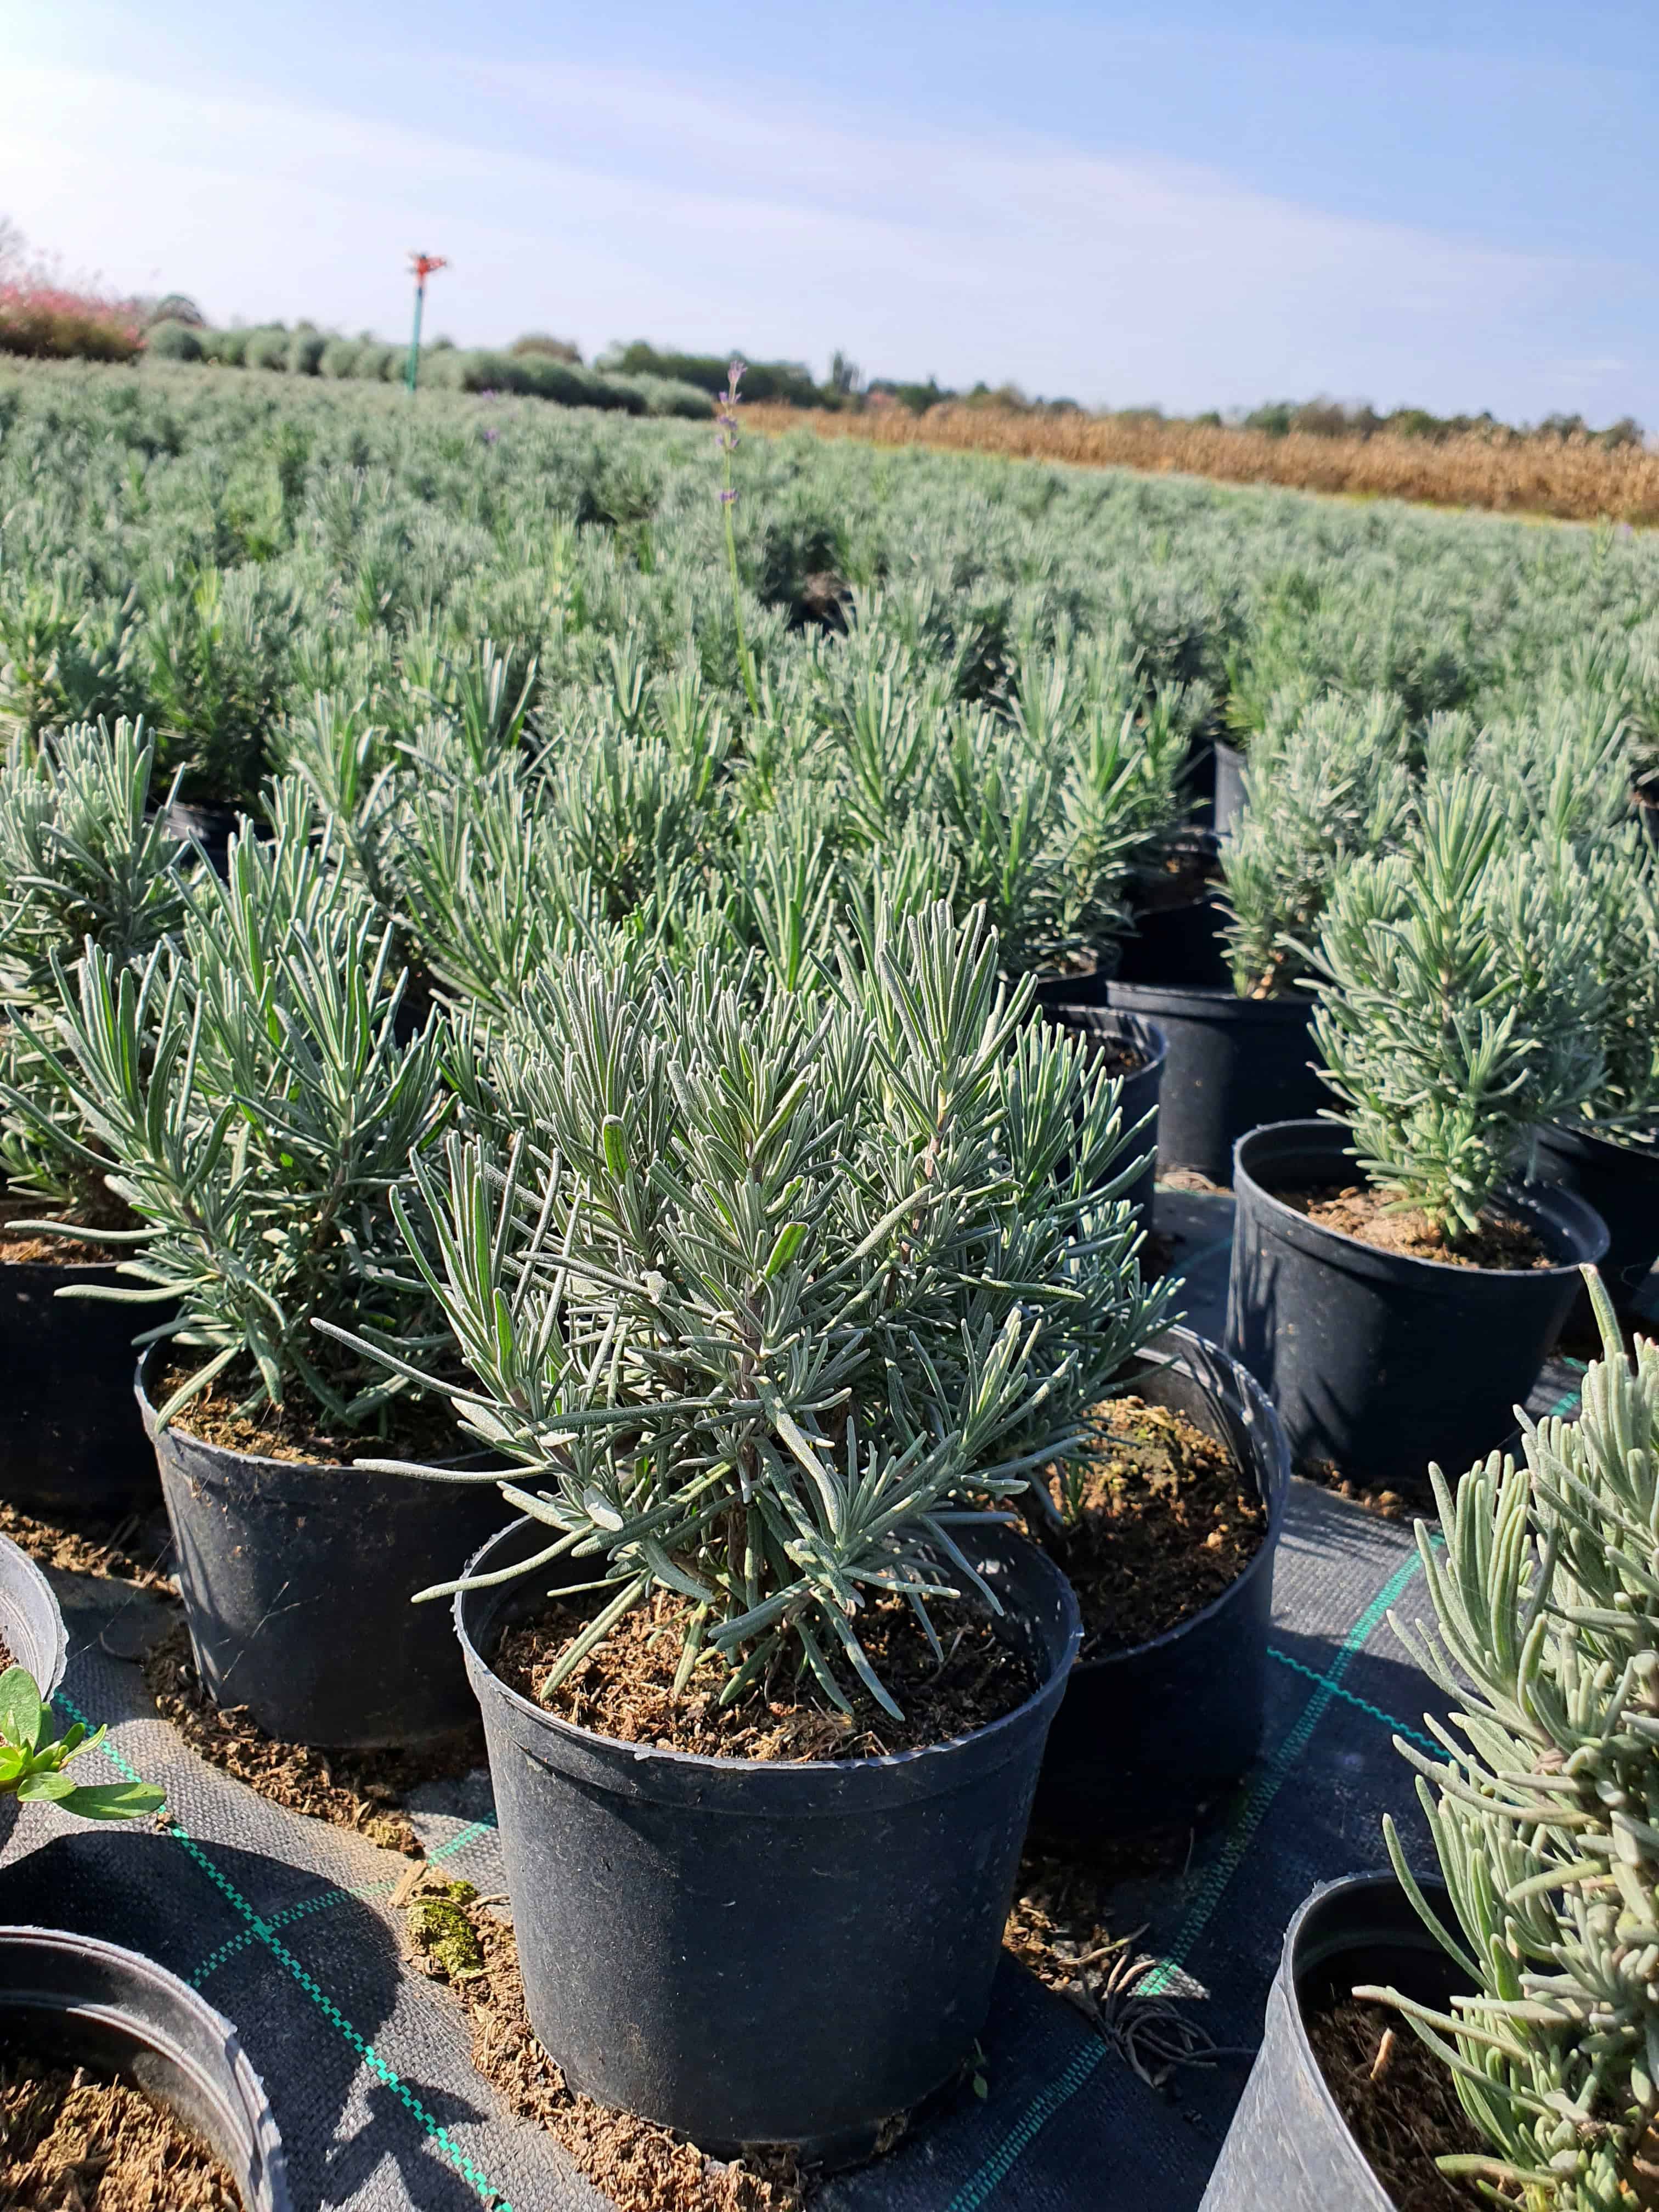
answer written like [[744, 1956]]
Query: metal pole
[[411, 373]]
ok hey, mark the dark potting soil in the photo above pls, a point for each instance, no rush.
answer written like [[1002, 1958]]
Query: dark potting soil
[[1111, 1055], [420, 1429], [1168, 1522], [625, 1688], [6, 1657], [71, 2141], [1398, 2103], [18, 1246], [636, 2166], [363, 1791], [116, 1551], [1374, 1217]]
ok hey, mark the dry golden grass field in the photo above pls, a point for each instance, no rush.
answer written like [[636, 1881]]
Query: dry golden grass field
[[1571, 479]]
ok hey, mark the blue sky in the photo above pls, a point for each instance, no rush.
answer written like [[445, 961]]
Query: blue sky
[[1200, 204]]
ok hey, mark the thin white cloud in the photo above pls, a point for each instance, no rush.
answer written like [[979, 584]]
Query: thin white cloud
[[608, 203]]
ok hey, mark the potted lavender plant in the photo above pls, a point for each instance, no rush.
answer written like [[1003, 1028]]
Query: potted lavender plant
[[772, 1294], [1333, 787], [1393, 1291], [81, 862], [249, 1088]]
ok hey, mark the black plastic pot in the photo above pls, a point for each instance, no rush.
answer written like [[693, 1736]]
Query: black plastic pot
[[1375, 1362], [72, 2000], [1155, 1732], [1231, 799], [32, 1632], [71, 1440], [1234, 1063], [1178, 946], [211, 827], [1140, 1090], [1621, 1181], [297, 1578], [759, 1951], [1077, 987], [1289, 2146]]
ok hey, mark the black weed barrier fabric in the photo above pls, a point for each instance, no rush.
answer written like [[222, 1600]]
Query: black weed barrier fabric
[[285, 1924]]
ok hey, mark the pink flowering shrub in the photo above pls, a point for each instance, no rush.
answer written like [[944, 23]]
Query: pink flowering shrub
[[50, 322]]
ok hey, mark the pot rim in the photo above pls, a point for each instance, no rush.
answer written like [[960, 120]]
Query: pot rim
[[22, 1570], [258, 1460], [791, 1770], [1154, 1042], [1256, 1403], [1199, 998], [1344, 1886], [1644, 1151], [237, 2091], [1320, 1241]]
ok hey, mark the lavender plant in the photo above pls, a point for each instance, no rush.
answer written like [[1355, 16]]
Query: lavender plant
[[250, 1089], [726, 441], [1331, 786], [767, 1289], [82, 863], [1461, 1004], [1544, 1807]]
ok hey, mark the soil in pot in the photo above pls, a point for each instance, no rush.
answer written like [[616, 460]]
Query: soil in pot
[[363, 1790], [1375, 1217], [625, 1688], [1398, 2103], [70, 2138], [419, 1429], [131, 1549], [1161, 1520], [637, 2165]]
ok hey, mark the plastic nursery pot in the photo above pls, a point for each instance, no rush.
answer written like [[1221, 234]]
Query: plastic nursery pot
[[1178, 946], [71, 2000], [296, 1580], [1077, 987], [211, 827], [1234, 1063], [31, 1629], [71, 1440], [1376, 1362], [1156, 1732], [1141, 1089], [1289, 2146], [1621, 1181], [1231, 799], [759, 1951]]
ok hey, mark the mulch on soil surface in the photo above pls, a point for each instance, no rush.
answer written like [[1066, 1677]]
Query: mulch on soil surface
[[18, 1248], [89, 1551], [71, 2142], [424, 1430], [1169, 1521], [363, 1791], [454, 1938], [1375, 1217], [625, 1689], [1399, 2102]]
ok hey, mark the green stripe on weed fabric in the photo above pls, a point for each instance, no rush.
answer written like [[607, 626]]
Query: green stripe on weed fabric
[[1258, 1799], [1030, 2123], [265, 1932], [1396, 1727], [1252, 1812]]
